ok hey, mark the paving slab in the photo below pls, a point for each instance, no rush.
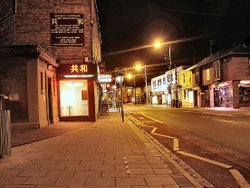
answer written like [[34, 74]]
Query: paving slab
[[107, 153]]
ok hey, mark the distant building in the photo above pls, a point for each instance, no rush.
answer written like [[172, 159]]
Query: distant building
[[49, 62], [223, 79], [159, 89], [187, 94], [165, 88]]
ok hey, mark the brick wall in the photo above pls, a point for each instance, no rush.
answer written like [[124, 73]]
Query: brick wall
[[32, 26], [236, 68], [13, 80]]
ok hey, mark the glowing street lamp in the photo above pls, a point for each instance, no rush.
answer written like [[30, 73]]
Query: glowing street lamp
[[129, 76], [138, 67], [157, 44]]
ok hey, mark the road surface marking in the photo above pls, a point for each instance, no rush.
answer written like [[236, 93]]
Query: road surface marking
[[141, 117], [153, 131], [152, 118], [239, 178], [195, 112], [163, 135], [235, 173], [224, 121], [175, 140], [205, 159]]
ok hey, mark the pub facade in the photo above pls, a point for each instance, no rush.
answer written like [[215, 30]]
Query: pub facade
[[63, 37]]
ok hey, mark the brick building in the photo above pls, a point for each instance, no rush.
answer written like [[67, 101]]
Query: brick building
[[62, 40], [223, 79]]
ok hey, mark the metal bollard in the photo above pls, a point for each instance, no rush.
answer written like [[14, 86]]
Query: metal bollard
[[5, 129], [5, 133]]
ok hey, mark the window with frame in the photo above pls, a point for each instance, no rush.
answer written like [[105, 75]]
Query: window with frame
[[197, 76], [184, 93], [42, 82], [159, 82], [164, 80], [184, 78], [207, 74], [154, 83], [54, 85], [169, 77], [217, 70]]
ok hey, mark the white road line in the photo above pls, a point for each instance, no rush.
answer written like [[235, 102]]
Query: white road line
[[153, 131], [235, 173], [205, 159], [141, 117], [175, 140], [151, 118], [239, 178], [163, 135]]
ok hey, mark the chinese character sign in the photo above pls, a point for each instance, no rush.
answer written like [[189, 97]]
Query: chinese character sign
[[79, 68], [84, 70], [67, 29]]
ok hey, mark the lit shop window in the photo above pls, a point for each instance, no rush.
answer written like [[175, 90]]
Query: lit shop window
[[207, 74], [249, 65], [74, 98]]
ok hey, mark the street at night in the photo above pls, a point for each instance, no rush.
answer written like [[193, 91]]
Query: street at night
[[216, 136], [124, 93]]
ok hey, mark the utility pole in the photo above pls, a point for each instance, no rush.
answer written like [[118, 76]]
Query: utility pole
[[170, 57], [146, 84], [171, 74], [122, 113], [135, 89]]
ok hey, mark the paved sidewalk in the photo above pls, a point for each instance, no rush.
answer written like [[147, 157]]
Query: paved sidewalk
[[104, 154]]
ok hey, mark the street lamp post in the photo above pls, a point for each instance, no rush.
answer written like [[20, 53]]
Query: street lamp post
[[138, 67], [134, 88], [170, 57], [158, 44], [129, 76], [146, 84], [119, 80]]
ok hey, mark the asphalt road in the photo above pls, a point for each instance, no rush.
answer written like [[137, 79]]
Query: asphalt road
[[229, 131], [222, 138]]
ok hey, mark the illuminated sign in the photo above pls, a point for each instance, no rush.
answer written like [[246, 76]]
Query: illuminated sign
[[105, 78], [84, 70], [67, 29], [245, 82], [79, 68]]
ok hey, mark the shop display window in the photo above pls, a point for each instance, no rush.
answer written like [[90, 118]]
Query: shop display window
[[74, 98], [244, 94]]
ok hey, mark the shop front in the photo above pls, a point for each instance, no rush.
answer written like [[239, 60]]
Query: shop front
[[76, 92], [244, 93], [223, 94]]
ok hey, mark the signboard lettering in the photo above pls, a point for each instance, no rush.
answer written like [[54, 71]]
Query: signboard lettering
[[86, 70], [67, 29]]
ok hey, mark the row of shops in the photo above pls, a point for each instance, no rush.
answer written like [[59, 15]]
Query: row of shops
[[202, 86]]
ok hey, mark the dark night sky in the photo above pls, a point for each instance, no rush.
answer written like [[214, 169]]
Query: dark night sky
[[127, 24]]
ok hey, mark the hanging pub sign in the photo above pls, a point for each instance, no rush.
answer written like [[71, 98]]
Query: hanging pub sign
[[75, 71], [67, 29]]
